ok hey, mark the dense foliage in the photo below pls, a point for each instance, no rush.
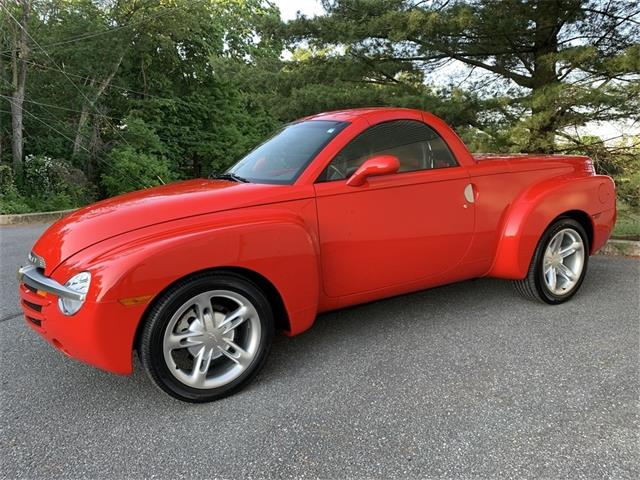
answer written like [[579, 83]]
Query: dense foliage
[[115, 95]]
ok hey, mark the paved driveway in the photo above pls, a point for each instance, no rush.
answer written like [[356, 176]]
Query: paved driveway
[[461, 381]]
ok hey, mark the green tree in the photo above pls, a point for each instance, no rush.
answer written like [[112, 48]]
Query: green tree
[[561, 63], [96, 68], [15, 25]]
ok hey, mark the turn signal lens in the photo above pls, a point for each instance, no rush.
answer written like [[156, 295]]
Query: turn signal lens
[[133, 301], [79, 283]]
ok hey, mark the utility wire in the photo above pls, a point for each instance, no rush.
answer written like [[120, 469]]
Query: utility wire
[[123, 174], [55, 119], [105, 32], [52, 117], [100, 114], [91, 104], [67, 76], [117, 87], [69, 109]]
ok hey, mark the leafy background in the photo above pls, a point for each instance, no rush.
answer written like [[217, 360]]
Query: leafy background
[[126, 94]]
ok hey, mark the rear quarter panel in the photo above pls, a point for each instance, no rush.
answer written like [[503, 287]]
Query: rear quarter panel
[[538, 206]]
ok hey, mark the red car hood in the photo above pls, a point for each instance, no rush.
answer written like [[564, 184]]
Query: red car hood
[[131, 211]]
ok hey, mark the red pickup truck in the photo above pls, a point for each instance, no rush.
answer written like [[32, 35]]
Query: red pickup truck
[[335, 209]]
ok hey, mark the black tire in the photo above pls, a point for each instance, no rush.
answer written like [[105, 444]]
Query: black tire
[[150, 348], [533, 286]]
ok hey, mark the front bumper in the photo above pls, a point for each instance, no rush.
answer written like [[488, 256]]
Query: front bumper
[[33, 277], [100, 334]]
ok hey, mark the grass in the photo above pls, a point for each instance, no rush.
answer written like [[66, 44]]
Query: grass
[[628, 223]]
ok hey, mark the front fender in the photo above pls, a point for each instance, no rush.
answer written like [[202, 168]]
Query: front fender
[[280, 245], [535, 209]]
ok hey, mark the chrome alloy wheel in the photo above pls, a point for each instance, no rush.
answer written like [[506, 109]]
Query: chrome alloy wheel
[[563, 261], [211, 339]]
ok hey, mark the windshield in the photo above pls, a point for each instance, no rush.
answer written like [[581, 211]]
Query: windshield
[[283, 157]]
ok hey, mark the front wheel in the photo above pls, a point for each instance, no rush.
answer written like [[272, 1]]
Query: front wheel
[[559, 264], [207, 337]]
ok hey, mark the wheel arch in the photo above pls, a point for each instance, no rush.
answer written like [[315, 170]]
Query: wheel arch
[[582, 218], [275, 252], [531, 214], [280, 314]]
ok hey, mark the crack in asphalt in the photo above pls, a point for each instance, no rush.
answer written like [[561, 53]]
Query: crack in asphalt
[[11, 316]]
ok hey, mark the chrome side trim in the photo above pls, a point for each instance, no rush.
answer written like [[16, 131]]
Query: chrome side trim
[[30, 275]]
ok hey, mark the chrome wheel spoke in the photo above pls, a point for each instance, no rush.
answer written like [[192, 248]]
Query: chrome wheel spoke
[[566, 272], [555, 244], [570, 250], [201, 366], [212, 338], [201, 304], [236, 354], [183, 340], [233, 319], [552, 278], [207, 320], [564, 260]]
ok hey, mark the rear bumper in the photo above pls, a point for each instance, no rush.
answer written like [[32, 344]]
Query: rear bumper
[[100, 334]]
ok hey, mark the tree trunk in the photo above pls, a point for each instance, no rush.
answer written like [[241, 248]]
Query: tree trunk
[[94, 145], [19, 55], [82, 122], [545, 82], [4, 81], [78, 143], [543, 122]]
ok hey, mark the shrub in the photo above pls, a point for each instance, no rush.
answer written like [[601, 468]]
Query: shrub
[[54, 184], [140, 162], [7, 184], [10, 199], [128, 170]]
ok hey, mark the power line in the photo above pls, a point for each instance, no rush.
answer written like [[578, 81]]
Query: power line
[[44, 106], [116, 87], [69, 109], [53, 118], [59, 69], [105, 32], [61, 108], [170, 99], [39, 119], [67, 76], [123, 174]]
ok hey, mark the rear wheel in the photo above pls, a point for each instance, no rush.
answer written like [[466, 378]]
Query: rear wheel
[[207, 337], [559, 264]]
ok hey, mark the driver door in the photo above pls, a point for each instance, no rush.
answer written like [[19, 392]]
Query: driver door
[[397, 228]]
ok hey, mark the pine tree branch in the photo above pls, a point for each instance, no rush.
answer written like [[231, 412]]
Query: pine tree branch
[[522, 80]]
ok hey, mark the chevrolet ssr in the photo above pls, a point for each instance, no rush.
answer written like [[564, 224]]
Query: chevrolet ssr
[[335, 209]]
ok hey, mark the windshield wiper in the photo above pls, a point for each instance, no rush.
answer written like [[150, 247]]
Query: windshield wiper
[[231, 176]]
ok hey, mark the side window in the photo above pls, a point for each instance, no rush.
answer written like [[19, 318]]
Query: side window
[[417, 146]]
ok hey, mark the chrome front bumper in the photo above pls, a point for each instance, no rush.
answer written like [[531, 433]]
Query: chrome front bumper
[[31, 276]]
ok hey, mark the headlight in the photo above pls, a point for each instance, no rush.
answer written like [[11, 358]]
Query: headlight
[[79, 283]]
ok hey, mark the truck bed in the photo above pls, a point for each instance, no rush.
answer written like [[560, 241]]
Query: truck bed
[[521, 162]]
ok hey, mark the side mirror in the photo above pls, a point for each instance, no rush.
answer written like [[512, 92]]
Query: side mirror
[[378, 165]]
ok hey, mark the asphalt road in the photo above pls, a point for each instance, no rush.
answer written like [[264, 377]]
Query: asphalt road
[[466, 381]]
